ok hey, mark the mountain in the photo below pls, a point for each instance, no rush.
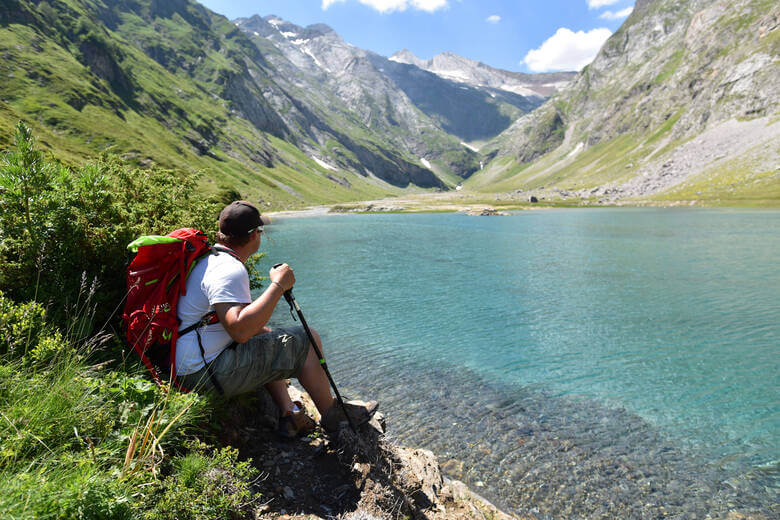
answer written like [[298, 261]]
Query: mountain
[[477, 74], [681, 103], [387, 95], [288, 115], [338, 83], [173, 84]]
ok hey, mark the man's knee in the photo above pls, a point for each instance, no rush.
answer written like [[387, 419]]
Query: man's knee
[[317, 338]]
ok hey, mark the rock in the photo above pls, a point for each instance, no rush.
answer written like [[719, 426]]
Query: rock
[[533, 199], [487, 212], [453, 467], [418, 474]]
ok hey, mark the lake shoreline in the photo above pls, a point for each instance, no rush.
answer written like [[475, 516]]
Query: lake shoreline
[[449, 203]]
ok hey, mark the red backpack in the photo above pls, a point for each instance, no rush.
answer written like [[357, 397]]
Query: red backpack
[[156, 277]]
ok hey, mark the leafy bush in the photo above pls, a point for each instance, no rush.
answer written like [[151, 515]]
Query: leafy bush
[[60, 227], [67, 429], [78, 440], [20, 326], [205, 486]]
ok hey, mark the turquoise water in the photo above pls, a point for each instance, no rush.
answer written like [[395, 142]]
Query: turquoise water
[[626, 333]]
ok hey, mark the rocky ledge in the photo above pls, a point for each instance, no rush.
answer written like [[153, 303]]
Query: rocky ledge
[[345, 476]]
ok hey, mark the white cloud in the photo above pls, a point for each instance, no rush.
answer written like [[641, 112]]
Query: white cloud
[[609, 15], [386, 6], [567, 50], [493, 18], [595, 4]]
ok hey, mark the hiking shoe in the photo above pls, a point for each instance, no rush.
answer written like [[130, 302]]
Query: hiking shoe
[[295, 424], [359, 411]]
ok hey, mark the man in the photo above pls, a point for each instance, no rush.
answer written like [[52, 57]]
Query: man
[[239, 353]]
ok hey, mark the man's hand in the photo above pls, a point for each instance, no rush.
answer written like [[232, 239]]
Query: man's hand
[[283, 276]]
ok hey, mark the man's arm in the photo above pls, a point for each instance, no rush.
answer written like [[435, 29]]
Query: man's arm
[[242, 321]]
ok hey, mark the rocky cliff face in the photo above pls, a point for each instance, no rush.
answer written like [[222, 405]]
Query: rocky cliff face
[[463, 70], [674, 70], [424, 114]]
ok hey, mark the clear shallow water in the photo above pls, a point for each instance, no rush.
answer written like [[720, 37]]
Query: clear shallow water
[[580, 363]]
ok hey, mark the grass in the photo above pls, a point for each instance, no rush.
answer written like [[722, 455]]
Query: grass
[[732, 182], [80, 441]]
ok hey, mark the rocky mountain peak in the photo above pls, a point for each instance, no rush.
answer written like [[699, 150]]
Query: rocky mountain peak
[[454, 67], [319, 29], [408, 57]]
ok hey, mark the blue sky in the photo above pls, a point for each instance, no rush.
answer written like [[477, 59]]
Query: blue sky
[[518, 35]]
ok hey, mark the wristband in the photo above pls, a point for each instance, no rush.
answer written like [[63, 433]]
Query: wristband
[[280, 285]]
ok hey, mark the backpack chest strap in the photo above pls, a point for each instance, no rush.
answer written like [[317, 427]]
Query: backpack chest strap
[[207, 319]]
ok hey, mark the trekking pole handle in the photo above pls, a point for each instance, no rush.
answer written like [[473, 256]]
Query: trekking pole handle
[[288, 293]]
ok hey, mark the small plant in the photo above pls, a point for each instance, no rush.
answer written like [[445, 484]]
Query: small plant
[[206, 486]]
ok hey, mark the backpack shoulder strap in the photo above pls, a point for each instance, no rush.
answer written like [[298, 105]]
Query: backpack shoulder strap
[[219, 248]]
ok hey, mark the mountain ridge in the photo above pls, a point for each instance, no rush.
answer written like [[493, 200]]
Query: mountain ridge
[[673, 73], [458, 68]]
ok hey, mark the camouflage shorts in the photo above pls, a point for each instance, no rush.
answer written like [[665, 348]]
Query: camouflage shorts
[[279, 354]]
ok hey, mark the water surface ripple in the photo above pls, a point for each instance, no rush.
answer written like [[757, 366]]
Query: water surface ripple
[[579, 364]]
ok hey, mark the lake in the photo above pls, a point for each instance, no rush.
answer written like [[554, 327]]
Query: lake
[[570, 363]]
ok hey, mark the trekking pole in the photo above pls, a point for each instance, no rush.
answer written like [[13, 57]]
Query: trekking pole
[[288, 295]]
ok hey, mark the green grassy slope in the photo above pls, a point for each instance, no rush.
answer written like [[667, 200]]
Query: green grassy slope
[[80, 73]]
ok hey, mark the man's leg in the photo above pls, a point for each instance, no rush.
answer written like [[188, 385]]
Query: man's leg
[[314, 380], [278, 391]]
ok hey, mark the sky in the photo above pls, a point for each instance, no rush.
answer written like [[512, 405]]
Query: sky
[[516, 35]]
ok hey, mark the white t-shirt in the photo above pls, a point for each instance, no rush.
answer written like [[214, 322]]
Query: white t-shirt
[[217, 278]]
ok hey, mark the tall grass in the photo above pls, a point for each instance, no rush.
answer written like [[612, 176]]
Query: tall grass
[[83, 432]]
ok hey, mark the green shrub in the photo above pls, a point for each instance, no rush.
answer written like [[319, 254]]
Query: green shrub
[[64, 231], [206, 486], [80, 491], [78, 440], [20, 326]]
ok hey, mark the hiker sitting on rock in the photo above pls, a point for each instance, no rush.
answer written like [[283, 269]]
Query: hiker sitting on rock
[[239, 353]]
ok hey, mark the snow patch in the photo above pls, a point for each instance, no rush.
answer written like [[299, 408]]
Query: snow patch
[[289, 35], [457, 75], [324, 164], [275, 22], [299, 41], [519, 90], [316, 61], [467, 145], [425, 162], [256, 33], [576, 150]]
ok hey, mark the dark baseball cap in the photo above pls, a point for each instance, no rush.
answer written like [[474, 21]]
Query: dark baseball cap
[[240, 218]]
